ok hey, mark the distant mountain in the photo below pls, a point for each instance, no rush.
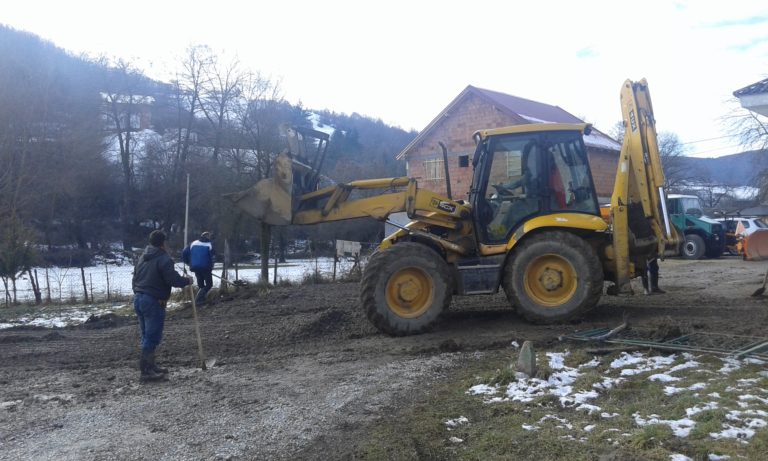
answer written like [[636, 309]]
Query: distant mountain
[[732, 170]]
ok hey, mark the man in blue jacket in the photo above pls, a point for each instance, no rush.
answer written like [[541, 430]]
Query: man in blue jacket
[[153, 278], [199, 256]]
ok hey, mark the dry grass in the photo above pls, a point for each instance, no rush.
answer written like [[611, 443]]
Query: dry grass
[[498, 430]]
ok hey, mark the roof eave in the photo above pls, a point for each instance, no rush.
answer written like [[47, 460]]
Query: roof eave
[[422, 134]]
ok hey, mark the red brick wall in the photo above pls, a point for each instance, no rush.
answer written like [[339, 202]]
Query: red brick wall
[[603, 164], [455, 131]]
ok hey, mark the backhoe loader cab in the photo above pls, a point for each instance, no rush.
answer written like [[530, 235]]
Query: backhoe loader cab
[[532, 225], [522, 173]]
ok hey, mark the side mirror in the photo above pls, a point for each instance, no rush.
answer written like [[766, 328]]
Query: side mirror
[[463, 161]]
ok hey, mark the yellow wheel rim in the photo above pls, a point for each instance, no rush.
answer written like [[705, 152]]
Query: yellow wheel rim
[[410, 292], [550, 280]]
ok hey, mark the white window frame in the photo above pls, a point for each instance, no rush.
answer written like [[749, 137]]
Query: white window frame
[[517, 168], [434, 169]]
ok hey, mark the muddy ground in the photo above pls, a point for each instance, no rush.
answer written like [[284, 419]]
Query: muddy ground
[[300, 374]]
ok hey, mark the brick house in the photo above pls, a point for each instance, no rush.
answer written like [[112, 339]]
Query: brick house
[[475, 109]]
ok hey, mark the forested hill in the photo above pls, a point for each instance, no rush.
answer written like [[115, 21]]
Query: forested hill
[[733, 170], [94, 151]]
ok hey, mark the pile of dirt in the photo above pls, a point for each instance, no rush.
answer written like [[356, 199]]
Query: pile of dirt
[[95, 322]]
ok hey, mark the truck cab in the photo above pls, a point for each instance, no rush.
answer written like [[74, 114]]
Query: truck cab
[[703, 236]]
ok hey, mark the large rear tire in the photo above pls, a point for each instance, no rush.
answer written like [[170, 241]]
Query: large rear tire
[[405, 288], [694, 247], [553, 277]]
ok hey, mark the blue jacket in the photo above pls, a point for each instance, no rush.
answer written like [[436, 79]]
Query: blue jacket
[[199, 255]]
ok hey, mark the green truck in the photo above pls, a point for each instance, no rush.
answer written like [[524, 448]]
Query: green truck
[[704, 237]]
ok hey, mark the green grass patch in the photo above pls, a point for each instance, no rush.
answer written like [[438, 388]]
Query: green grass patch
[[577, 357], [651, 436]]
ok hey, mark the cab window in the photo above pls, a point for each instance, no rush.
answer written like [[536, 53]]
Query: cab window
[[520, 176]]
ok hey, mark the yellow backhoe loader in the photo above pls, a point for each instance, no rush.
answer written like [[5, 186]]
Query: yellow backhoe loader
[[532, 224]]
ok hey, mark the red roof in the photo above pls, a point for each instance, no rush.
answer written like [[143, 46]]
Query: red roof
[[526, 109], [536, 112]]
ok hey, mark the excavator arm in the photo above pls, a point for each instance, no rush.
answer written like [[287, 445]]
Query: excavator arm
[[290, 196], [641, 226]]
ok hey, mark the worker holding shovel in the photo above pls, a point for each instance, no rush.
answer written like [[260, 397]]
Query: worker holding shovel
[[153, 278]]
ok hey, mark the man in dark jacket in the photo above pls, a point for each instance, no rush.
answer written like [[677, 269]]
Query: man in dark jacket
[[153, 278], [199, 256]]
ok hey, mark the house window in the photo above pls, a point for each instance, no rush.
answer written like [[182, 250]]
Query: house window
[[514, 164], [434, 169]]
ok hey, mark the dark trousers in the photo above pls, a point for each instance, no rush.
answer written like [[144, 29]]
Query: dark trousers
[[204, 282], [653, 270], [151, 317]]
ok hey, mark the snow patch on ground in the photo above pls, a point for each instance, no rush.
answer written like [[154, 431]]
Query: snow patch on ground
[[454, 423], [680, 427], [672, 390], [526, 389], [59, 317], [644, 363], [741, 424], [729, 365], [664, 378], [698, 409], [731, 432], [679, 457]]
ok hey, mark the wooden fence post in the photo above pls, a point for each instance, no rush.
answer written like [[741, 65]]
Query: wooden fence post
[[335, 258], [47, 287], [106, 271], [85, 287]]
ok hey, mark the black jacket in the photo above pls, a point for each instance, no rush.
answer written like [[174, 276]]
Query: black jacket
[[154, 275]]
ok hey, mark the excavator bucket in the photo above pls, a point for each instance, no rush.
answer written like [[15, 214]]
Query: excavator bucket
[[755, 245], [294, 172], [270, 200]]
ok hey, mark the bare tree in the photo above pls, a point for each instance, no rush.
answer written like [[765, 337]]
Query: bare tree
[[122, 99], [714, 195], [187, 87], [221, 89], [749, 128], [751, 131], [679, 170]]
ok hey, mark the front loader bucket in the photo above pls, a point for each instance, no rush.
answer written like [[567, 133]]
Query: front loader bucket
[[756, 245], [295, 172], [270, 200]]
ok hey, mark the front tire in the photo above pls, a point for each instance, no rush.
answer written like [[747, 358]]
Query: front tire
[[553, 277], [406, 288], [694, 247]]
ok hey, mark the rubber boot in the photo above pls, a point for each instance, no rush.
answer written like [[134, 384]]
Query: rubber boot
[[200, 298], [153, 365], [148, 374], [655, 284]]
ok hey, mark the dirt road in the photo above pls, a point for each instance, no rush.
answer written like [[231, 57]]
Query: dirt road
[[300, 372]]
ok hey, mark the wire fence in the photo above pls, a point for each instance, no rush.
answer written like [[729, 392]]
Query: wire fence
[[106, 283]]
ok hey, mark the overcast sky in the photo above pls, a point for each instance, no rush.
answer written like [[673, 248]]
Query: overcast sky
[[404, 60]]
